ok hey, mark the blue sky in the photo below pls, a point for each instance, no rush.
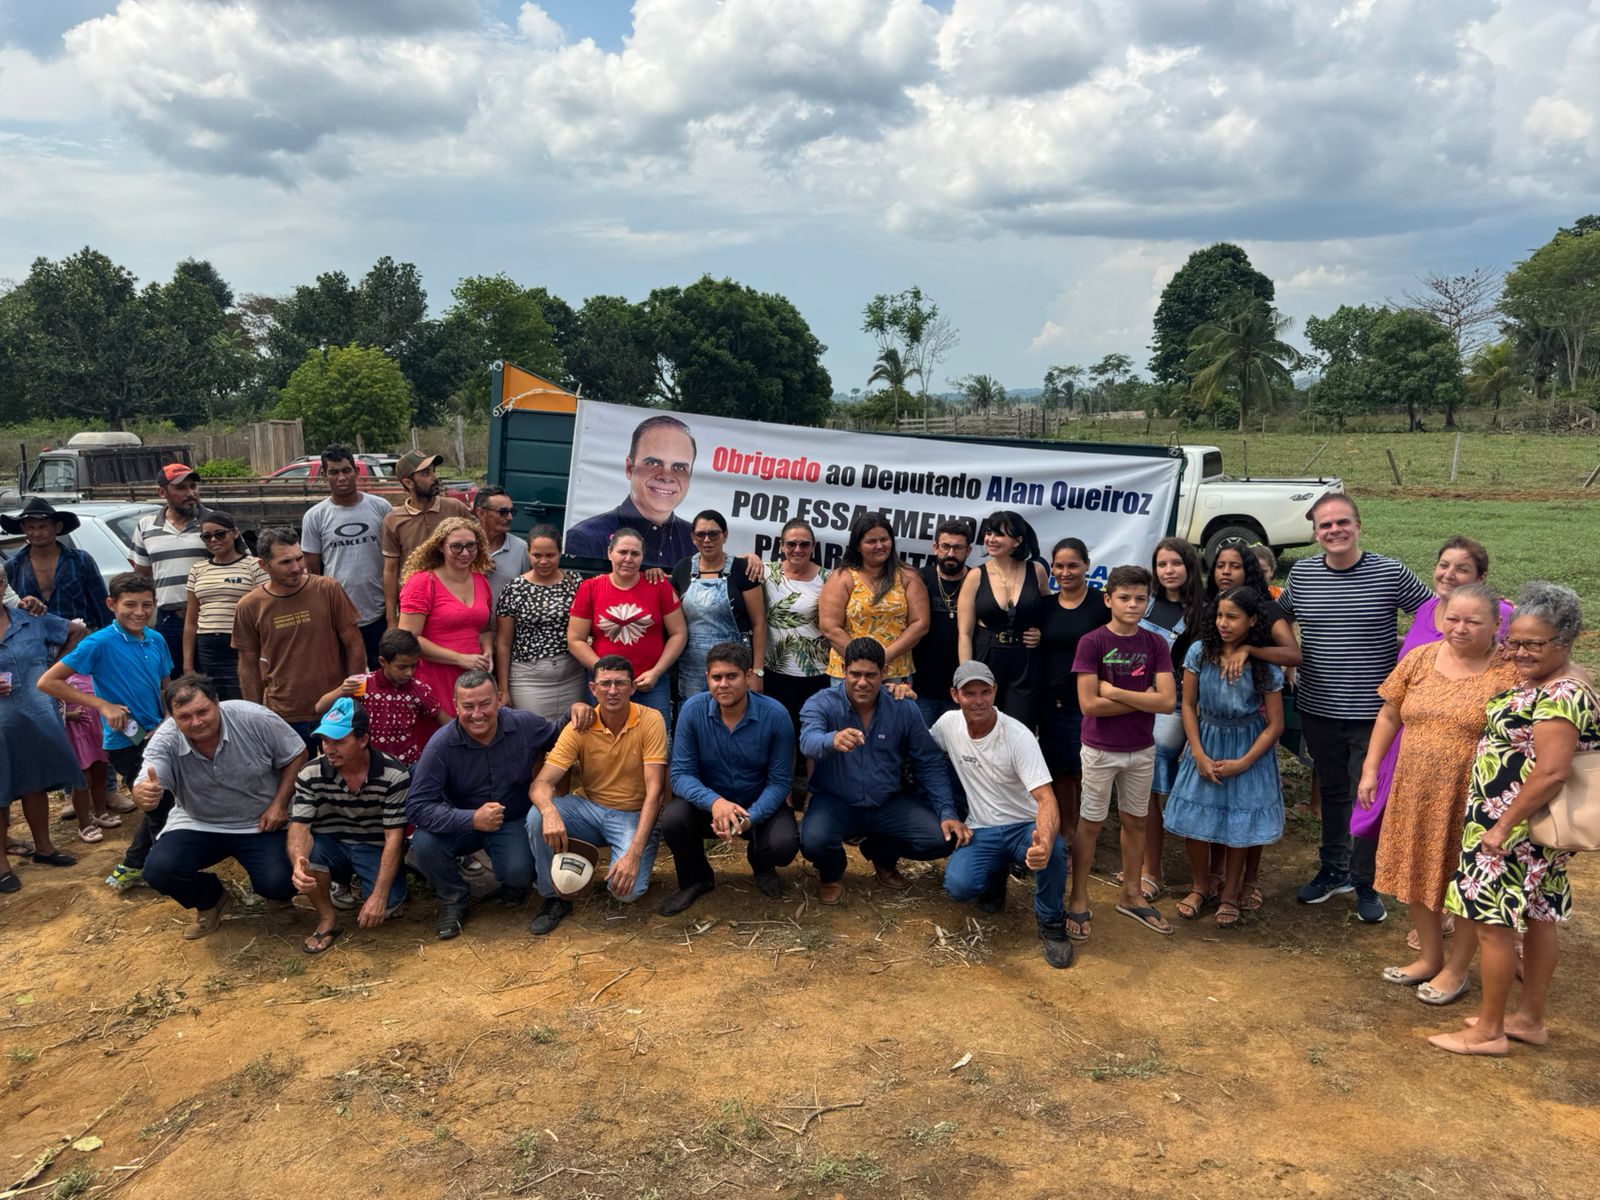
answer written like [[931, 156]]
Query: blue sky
[[1039, 168]]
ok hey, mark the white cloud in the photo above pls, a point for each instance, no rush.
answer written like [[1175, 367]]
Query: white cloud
[[539, 27]]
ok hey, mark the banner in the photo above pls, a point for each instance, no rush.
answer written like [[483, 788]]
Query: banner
[[655, 470]]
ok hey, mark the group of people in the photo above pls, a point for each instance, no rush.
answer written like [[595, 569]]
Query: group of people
[[419, 686]]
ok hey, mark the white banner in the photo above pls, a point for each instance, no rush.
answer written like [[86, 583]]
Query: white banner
[[655, 470]]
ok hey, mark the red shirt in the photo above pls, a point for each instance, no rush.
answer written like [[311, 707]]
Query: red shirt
[[400, 720], [630, 623]]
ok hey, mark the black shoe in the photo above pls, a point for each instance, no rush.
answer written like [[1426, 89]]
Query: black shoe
[[1327, 883], [512, 897], [771, 885], [451, 918], [1018, 872], [1369, 905], [551, 915], [1058, 950], [993, 899], [684, 897]]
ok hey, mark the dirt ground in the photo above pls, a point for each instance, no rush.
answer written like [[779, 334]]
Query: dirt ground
[[897, 1046]]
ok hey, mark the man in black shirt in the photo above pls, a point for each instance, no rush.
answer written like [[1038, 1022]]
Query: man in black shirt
[[937, 651]]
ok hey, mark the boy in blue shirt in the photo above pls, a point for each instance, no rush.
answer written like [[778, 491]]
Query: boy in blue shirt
[[129, 669]]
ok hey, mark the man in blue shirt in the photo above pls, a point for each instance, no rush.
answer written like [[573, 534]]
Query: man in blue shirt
[[65, 579], [861, 738], [469, 792], [732, 766]]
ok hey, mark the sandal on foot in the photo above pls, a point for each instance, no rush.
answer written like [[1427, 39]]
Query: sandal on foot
[[10, 883], [1227, 915], [1249, 897], [319, 941], [56, 858], [1192, 905], [20, 849], [1527, 1039], [1078, 925], [1151, 889], [1147, 916], [91, 833], [109, 821], [1447, 928]]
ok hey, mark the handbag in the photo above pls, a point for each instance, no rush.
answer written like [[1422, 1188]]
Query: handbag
[[1571, 821]]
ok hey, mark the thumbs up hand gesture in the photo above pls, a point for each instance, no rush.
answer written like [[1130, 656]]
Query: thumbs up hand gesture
[[147, 791]]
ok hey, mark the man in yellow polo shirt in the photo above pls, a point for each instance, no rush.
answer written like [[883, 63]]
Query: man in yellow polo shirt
[[618, 780]]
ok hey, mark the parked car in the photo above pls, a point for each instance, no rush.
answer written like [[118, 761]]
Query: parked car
[[309, 466], [104, 530]]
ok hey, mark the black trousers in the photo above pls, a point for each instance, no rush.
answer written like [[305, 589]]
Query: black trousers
[[128, 763], [1338, 751], [685, 828]]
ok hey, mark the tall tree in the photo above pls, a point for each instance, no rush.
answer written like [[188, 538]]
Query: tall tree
[[390, 307], [610, 355], [982, 392], [1061, 386], [1341, 344], [1494, 369], [911, 324], [494, 317], [344, 392], [1463, 304], [1412, 360], [1106, 372], [1209, 288], [725, 349], [1558, 287], [891, 370], [1245, 354]]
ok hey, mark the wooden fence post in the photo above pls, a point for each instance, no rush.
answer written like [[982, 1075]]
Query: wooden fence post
[[1455, 459], [1393, 467], [413, 437], [461, 442], [1315, 456]]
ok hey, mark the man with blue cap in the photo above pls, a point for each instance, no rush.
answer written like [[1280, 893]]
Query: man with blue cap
[[349, 817]]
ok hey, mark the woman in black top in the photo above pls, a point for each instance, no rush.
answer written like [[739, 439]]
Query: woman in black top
[[1000, 603], [1077, 610]]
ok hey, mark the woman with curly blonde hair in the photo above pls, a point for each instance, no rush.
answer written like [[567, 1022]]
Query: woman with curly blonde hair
[[446, 601]]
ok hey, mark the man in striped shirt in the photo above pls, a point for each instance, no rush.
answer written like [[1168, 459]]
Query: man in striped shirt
[[349, 817], [166, 544], [1344, 600]]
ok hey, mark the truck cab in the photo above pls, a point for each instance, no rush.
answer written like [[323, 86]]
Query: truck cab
[[1214, 505], [93, 460]]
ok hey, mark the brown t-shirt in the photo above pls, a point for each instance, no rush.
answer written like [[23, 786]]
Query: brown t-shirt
[[404, 530], [297, 639]]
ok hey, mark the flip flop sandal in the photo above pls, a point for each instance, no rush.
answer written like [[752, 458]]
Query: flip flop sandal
[[20, 849], [1447, 928], [1147, 916], [67, 814], [1250, 897], [1151, 889], [56, 858], [109, 821], [1191, 911], [91, 834], [321, 940], [1227, 915], [10, 883], [1081, 920]]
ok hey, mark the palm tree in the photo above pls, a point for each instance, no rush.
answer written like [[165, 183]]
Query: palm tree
[[1245, 352], [1494, 369], [982, 392], [892, 370]]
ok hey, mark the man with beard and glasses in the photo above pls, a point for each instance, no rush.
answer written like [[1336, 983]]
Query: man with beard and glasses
[[938, 651], [413, 523], [166, 544]]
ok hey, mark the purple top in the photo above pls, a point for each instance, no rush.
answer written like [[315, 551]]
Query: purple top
[[1366, 822], [1132, 663]]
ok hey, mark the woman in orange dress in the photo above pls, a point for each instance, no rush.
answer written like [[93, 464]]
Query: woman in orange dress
[[1438, 692]]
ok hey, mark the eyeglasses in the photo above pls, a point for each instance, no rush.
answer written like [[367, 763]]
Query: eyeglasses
[[221, 535], [499, 512], [1534, 645], [707, 535], [798, 545], [461, 547]]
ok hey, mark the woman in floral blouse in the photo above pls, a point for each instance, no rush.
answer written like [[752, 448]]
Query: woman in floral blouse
[[532, 665]]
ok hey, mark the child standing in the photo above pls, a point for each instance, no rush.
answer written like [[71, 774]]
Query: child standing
[[1227, 791], [83, 735], [402, 710], [1124, 679]]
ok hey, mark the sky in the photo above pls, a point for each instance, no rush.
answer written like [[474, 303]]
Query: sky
[[1040, 168]]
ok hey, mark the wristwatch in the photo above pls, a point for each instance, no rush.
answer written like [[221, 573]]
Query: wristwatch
[[759, 673]]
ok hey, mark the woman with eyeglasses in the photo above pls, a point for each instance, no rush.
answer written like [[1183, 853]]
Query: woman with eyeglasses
[[623, 612], [532, 666], [216, 584], [797, 653], [999, 612], [721, 603], [875, 595], [445, 601], [1504, 882]]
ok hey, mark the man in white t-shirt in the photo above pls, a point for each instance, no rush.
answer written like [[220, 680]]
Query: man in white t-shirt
[[341, 539], [1012, 819]]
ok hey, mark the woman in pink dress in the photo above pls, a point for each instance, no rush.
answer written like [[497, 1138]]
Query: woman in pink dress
[[445, 600]]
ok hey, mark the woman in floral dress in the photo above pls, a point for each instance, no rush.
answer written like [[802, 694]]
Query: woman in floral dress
[[1506, 883], [797, 653]]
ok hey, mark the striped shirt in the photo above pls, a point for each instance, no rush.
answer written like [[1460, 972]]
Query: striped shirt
[[324, 802], [1347, 631], [218, 587], [169, 553]]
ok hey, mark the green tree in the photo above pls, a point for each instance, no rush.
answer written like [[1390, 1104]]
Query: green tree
[[1558, 288], [1494, 369], [1412, 360], [911, 324], [610, 355], [981, 392], [1061, 386], [494, 317], [1244, 354], [891, 371], [1340, 341], [1208, 289], [390, 307], [1106, 372], [725, 349], [348, 391]]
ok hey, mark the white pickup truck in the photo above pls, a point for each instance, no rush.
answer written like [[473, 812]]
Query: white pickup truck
[[1213, 505]]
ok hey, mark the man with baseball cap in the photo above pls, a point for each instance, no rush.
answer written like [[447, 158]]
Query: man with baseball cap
[[166, 544], [64, 579], [408, 526], [348, 817], [1012, 818]]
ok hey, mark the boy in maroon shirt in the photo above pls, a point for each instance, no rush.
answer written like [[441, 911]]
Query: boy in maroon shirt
[[402, 712]]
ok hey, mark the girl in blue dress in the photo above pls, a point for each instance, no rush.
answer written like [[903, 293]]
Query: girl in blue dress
[[1226, 791]]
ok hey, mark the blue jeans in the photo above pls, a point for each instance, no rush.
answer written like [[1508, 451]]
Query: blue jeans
[[435, 856], [177, 865], [371, 633], [343, 858], [598, 825], [992, 849], [903, 827], [934, 707], [660, 699]]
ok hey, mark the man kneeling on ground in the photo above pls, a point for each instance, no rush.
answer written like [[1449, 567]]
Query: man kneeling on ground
[[1012, 817], [732, 766], [619, 779], [349, 816], [230, 766], [861, 739]]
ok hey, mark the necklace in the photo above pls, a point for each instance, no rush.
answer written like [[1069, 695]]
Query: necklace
[[946, 598]]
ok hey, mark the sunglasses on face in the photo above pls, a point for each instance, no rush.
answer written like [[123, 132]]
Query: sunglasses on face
[[798, 545], [221, 535], [707, 535], [499, 512]]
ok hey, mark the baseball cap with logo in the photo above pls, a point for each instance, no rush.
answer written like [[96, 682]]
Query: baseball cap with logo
[[572, 870], [415, 460], [343, 719], [176, 472]]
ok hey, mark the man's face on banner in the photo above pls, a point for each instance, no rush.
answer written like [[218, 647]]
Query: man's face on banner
[[658, 474]]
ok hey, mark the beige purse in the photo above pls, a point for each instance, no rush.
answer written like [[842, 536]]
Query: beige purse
[[1571, 821]]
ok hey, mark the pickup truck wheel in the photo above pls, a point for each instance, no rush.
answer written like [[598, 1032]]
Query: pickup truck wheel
[[1247, 532]]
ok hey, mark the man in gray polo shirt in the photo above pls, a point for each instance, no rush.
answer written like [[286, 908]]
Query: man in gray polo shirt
[[230, 766]]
